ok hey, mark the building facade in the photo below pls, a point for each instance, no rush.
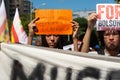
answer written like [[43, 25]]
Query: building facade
[[22, 5], [82, 13]]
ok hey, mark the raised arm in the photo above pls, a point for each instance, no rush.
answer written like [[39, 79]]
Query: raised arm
[[31, 26], [86, 40], [75, 26]]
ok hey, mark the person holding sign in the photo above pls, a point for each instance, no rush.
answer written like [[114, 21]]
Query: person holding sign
[[52, 27], [52, 41], [110, 37]]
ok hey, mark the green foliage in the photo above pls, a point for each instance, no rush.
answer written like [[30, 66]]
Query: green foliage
[[83, 26], [25, 19], [82, 22], [117, 1], [9, 24]]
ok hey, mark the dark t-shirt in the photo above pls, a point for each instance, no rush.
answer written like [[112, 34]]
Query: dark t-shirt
[[101, 52]]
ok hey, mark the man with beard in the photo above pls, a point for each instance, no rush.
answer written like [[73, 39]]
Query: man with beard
[[110, 38]]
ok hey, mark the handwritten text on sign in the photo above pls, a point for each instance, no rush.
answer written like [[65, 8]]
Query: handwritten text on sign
[[108, 16], [53, 21]]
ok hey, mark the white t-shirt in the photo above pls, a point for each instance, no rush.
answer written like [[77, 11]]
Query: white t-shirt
[[70, 47]]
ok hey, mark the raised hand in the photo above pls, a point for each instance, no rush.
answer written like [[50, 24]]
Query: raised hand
[[32, 25], [75, 26], [92, 20]]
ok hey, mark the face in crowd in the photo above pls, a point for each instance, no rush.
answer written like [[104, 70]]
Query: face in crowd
[[111, 39], [52, 40], [38, 41]]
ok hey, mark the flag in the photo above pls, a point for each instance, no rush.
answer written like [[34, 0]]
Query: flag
[[4, 31], [18, 35]]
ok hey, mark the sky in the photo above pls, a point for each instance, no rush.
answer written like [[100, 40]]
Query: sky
[[75, 5]]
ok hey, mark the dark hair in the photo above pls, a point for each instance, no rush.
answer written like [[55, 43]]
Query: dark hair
[[59, 44], [101, 37]]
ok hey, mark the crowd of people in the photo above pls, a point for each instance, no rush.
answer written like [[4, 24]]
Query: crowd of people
[[109, 38]]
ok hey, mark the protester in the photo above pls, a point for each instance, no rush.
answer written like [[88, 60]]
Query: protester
[[111, 39], [52, 41], [38, 41]]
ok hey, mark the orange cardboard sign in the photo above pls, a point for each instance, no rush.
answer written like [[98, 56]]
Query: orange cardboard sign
[[54, 21]]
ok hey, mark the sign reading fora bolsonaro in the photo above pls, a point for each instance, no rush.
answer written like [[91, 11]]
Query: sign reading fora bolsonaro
[[108, 16]]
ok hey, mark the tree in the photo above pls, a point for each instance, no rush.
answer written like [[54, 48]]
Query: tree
[[25, 19], [117, 1], [83, 26]]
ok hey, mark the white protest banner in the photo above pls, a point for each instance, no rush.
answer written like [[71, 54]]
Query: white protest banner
[[108, 16], [22, 62]]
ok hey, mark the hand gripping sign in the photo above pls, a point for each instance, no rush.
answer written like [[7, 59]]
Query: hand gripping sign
[[54, 21], [108, 16]]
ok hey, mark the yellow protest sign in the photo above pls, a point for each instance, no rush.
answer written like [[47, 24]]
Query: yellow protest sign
[[54, 21]]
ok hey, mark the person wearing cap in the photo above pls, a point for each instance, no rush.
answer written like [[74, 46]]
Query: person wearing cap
[[110, 38]]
